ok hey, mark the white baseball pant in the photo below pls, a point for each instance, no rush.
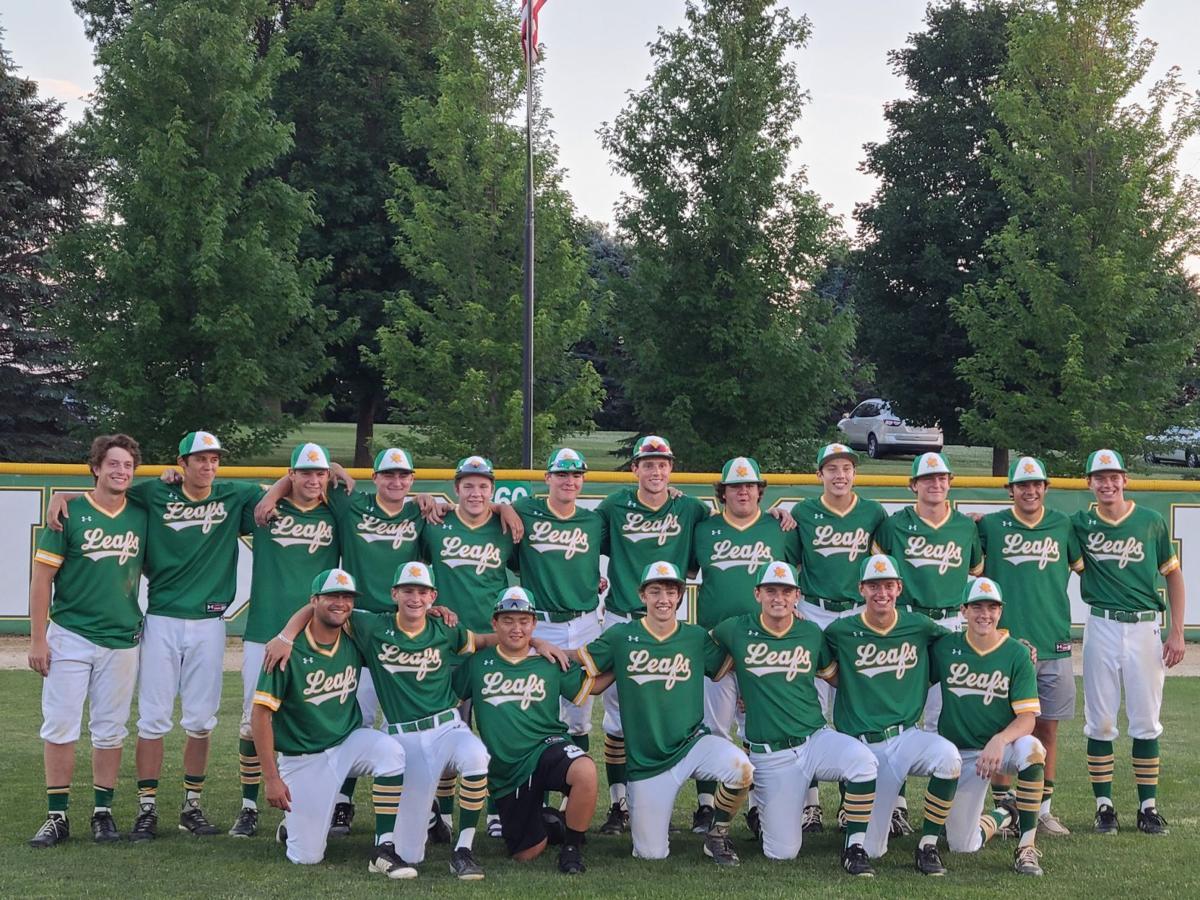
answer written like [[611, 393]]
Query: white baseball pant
[[570, 636], [933, 700], [612, 705], [912, 752], [81, 670], [253, 655], [1116, 655], [962, 825], [720, 706], [180, 657], [822, 618]]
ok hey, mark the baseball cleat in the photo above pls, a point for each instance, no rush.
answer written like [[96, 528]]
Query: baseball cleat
[[343, 817], [900, 825], [702, 819], [104, 829], [570, 860], [1106, 820], [754, 822], [812, 822], [555, 825], [719, 847], [856, 862], [281, 833], [54, 831], [617, 821], [1150, 821], [1025, 860], [439, 831], [841, 819], [385, 861], [494, 828], [1011, 828], [145, 826], [1050, 825], [246, 823], [929, 861], [463, 865], [193, 821]]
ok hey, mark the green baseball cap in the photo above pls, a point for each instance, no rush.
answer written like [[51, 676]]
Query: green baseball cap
[[879, 567], [474, 465], [566, 460], [334, 581], [835, 451], [1104, 461], [514, 600], [1027, 468], [930, 464], [199, 442], [742, 470], [413, 573], [661, 571], [652, 445], [979, 590], [777, 573], [393, 459], [310, 456]]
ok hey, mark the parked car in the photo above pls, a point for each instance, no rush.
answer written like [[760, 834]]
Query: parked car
[[876, 426], [1177, 444]]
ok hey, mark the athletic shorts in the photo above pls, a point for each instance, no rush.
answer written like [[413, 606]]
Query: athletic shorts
[[521, 811], [1056, 688]]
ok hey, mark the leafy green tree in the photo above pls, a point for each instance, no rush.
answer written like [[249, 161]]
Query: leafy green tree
[[187, 305], [43, 191], [729, 350], [452, 352], [1086, 329]]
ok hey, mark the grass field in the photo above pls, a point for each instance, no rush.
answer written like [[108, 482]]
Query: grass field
[[1083, 865]]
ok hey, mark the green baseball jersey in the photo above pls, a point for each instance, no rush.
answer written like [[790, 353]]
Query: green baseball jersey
[[412, 672], [882, 676], [559, 557], [289, 552], [1122, 560], [833, 546], [192, 546], [982, 692], [639, 535], [375, 543], [1031, 563], [516, 710], [98, 558], [730, 558], [776, 674], [315, 699], [660, 684], [469, 566], [935, 558]]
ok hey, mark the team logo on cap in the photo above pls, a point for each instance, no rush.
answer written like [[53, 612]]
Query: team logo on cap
[[663, 570], [780, 572], [880, 566], [1029, 468], [1106, 459]]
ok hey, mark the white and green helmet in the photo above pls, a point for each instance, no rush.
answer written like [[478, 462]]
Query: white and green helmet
[[778, 573], [652, 445], [393, 459], [474, 465], [835, 451], [200, 442], [879, 567], [1027, 468], [979, 590], [566, 460], [661, 571], [333, 581], [1104, 461], [930, 464], [514, 600], [413, 573], [310, 456], [742, 470]]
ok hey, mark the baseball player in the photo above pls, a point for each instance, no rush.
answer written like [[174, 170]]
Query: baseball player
[[989, 706], [835, 533], [1029, 551], [516, 696], [1126, 548], [776, 656], [658, 663], [89, 650], [730, 551], [879, 662], [308, 712]]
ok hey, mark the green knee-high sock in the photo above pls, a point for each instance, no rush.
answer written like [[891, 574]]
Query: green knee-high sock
[[250, 772], [1029, 800], [471, 797], [445, 797], [614, 766], [726, 802], [103, 796], [385, 795], [938, 797], [991, 822], [58, 798], [1100, 768], [1145, 770], [705, 792], [193, 787], [582, 741], [858, 801], [347, 789]]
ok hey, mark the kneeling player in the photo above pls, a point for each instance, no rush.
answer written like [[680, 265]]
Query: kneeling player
[[309, 713], [659, 664], [516, 702], [989, 706]]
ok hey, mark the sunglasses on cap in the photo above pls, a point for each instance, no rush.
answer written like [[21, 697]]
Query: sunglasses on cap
[[514, 605]]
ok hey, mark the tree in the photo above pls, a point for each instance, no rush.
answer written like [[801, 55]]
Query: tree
[[924, 230], [43, 190], [1086, 329], [728, 349], [186, 303], [452, 353]]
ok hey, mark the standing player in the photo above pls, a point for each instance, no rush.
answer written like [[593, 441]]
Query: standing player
[[658, 663], [1029, 552], [835, 532], [776, 656], [730, 551], [308, 712], [516, 696], [989, 704], [1126, 548], [89, 651], [880, 666]]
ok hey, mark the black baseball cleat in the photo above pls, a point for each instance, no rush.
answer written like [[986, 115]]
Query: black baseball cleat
[[812, 822], [494, 828], [1011, 828], [1106, 820], [719, 847], [343, 817], [463, 865], [246, 823], [281, 833], [193, 821], [702, 819], [53, 832], [1150, 821], [856, 862], [145, 826], [555, 825], [570, 860], [617, 821], [439, 831], [929, 861], [900, 825], [754, 822], [104, 829], [386, 861]]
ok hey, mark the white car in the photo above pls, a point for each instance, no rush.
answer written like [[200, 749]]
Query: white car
[[1175, 445], [875, 426]]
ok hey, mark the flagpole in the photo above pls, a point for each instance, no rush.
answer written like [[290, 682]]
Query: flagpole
[[527, 354]]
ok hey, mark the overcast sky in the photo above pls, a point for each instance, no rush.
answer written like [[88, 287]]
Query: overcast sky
[[596, 52]]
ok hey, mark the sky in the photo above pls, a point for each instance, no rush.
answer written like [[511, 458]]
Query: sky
[[596, 52]]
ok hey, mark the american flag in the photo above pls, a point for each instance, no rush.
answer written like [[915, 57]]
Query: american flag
[[530, 47]]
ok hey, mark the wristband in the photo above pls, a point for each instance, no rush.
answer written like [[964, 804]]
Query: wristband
[[282, 637]]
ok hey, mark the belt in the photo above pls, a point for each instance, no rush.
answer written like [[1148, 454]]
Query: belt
[[423, 724], [935, 613], [557, 617], [775, 746], [832, 605], [878, 737], [1120, 615]]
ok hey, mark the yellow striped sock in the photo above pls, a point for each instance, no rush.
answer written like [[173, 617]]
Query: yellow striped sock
[[614, 750], [1100, 768], [473, 793], [858, 806], [1029, 795], [1145, 771], [936, 809]]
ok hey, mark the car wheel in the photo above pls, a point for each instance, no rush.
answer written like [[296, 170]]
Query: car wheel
[[873, 447], [1192, 459]]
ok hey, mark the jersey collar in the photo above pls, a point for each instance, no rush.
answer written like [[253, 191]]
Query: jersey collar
[[930, 522], [737, 527], [100, 509], [840, 515], [316, 648], [637, 495], [554, 512], [665, 637], [470, 527], [1106, 521], [511, 660], [183, 490], [406, 632], [1017, 515], [769, 630], [390, 513], [884, 631], [1003, 632]]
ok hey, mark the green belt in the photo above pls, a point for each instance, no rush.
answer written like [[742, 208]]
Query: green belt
[[422, 724], [1120, 615], [775, 746], [935, 613], [832, 605], [878, 737], [557, 617]]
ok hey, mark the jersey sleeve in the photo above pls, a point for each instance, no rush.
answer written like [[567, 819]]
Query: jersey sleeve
[[461, 680], [340, 500], [976, 566], [52, 545], [142, 492], [358, 629], [604, 511], [575, 684], [791, 545], [722, 634], [1023, 691], [827, 666], [271, 688], [883, 542], [597, 656], [982, 527], [1074, 549], [464, 640], [937, 658], [1168, 561], [934, 631], [716, 659]]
